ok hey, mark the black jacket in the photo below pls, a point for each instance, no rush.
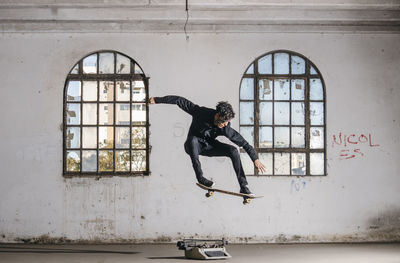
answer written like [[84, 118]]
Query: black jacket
[[203, 124]]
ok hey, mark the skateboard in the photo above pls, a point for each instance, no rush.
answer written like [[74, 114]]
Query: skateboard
[[210, 192]]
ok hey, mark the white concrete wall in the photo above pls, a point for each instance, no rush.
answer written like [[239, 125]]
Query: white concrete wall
[[357, 201]]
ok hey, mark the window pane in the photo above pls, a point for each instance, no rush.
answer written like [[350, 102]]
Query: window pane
[[122, 161], [250, 70], [246, 113], [138, 137], [266, 159], [73, 137], [106, 64], [282, 166], [89, 137], [281, 63], [316, 91], [281, 137], [123, 64], [73, 161], [122, 113], [298, 113], [106, 90], [265, 65], [123, 91], [298, 164], [73, 113], [106, 137], [317, 113], [313, 71], [89, 90], [316, 163], [281, 89], [265, 113], [138, 70], [138, 160], [89, 161], [106, 159], [247, 89], [90, 64], [298, 137], [247, 163], [75, 70], [248, 134], [138, 114], [265, 89], [122, 137], [298, 89], [74, 91], [281, 113], [265, 137], [316, 138], [89, 115], [138, 91], [298, 65], [106, 114]]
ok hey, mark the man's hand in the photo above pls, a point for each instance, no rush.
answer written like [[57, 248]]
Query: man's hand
[[152, 101], [260, 166]]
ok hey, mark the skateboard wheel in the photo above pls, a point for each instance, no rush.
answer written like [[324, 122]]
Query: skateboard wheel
[[209, 194], [246, 201]]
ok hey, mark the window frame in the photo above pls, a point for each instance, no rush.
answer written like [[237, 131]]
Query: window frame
[[114, 77], [307, 76]]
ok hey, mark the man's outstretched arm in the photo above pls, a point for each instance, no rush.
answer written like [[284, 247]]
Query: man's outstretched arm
[[238, 139], [183, 103]]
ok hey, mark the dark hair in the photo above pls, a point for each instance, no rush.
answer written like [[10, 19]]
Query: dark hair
[[225, 111]]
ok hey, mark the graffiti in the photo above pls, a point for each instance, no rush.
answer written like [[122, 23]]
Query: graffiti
[[348, 143], [349, 154], [179, 130], [297, 186], [352, 139]]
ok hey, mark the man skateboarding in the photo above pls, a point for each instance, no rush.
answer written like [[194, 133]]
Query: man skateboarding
[[206, 125]]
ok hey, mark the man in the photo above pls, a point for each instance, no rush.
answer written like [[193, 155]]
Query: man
[[206, 125]]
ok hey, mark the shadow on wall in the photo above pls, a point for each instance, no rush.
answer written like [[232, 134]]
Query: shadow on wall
[[385, 226]]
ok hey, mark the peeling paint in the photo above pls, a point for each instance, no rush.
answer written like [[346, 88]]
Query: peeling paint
[[44, 239], [279, 239], [385, 226]]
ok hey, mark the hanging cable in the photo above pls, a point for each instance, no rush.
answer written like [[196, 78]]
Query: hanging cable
[[187, 19]]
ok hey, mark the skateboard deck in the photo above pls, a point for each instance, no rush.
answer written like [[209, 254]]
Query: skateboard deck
[[246, 198]]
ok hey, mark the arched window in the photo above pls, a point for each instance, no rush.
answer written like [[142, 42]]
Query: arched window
[[282, 114], [106, 117]]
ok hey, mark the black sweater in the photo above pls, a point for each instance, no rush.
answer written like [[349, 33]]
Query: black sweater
[[203, 124]]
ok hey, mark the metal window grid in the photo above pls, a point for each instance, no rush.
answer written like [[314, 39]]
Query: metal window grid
[[307, 124], [131, 77]]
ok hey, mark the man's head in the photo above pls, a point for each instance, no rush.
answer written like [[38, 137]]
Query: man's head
[[224, 114]]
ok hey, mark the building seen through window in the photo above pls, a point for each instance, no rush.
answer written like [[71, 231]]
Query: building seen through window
[[106, 117]]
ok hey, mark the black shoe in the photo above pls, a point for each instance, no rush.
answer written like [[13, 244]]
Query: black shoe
[[204, 181], [245, 190]]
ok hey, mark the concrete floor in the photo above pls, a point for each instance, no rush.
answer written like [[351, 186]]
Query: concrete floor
[[321, 253]]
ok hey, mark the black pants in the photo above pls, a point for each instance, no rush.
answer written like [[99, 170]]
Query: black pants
[[195, 146]]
